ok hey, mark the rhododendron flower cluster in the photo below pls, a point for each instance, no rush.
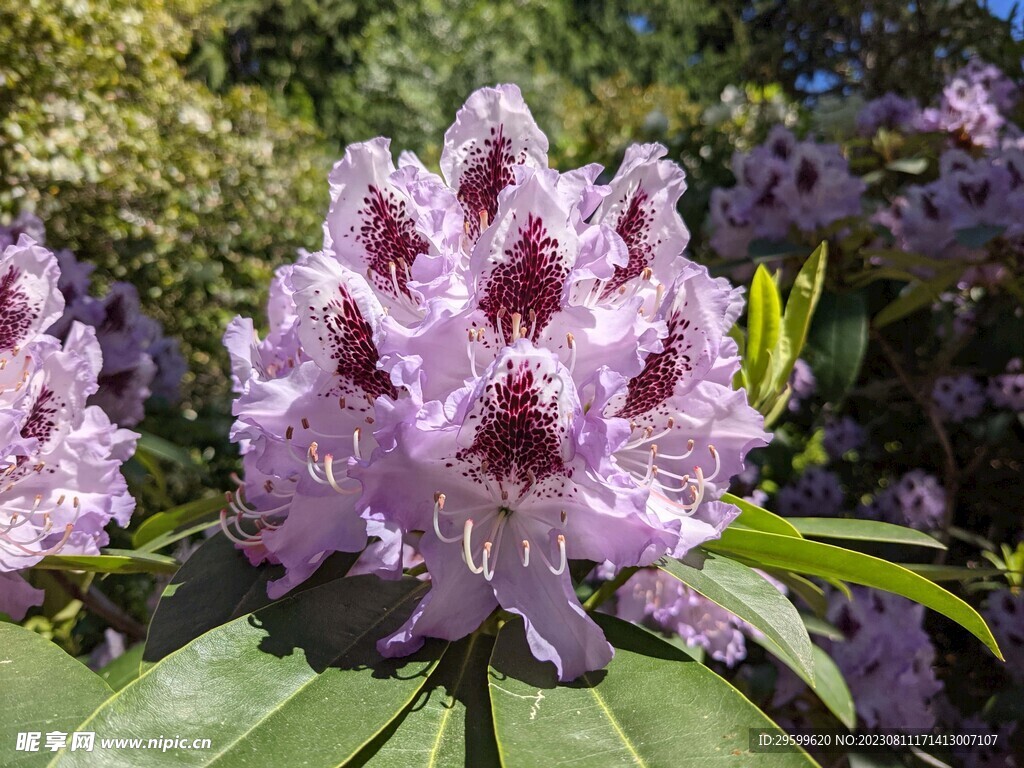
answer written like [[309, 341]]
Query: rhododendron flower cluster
[[973, 105], [885, 650], [814, 493], [60, 459], [660, 600], [138, 360], [939, 219], [890, 111], [782, 185], [511, 366]]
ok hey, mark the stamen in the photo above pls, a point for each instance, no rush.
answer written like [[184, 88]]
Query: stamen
[[500, 316], [467, 533], [571, 341], [562, 558], [438, 506], [488, 571], [355, 443], [525, 554], [689, 450], [533, 323], [517, 322], [718, 463], [484, 219], [329, 472]]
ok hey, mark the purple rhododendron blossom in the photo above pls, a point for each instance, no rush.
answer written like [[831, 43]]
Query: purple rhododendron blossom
[[1004, 613], [972, 194], [892, 112], [659, 599], [507, 366], [885, 650], [973, 106], [958, 398], [1007, 389], [842, 436], [60, 459], [814, 493], [138, 360], [802, 385], [781, 185]]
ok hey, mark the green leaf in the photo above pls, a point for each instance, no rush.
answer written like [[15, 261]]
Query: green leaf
[[820, 627], [759, 519], [805, 589], [979, 236], [862, 530], [42, 689], [124, 669], [450, 721], [167, 521], [172, 537], [652, 706], [951, 572], [215, 585], [916, 296], [766, 249], [163, 449], [914, 166], [746, 594], [299, 677], [828, 685], [111, 561], [764, 318], [838, 340], [817, 559], [796, 319]]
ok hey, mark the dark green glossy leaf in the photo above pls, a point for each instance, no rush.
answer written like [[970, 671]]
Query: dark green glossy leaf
[[766, 249], [829, 685], [746, 594], [42, 689], [111, 561], [301, 677], [916, 296], [862, 530], [450, 722], [979, 236], [124, 669], [167, 521], [215, 585], [827, 561], [760, 519], [652, 706], [837, 342]]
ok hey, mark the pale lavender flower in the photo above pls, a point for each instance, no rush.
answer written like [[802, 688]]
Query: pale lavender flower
[[973, 106], [130, 341], [842, 436], [60, 459], [1007, 389], [814, 493], [1004, 613], [886, 651], [958, 398], [917, 499], [802, 385], [892, 112], [112, 647], [657, 598], [24, 223], [530, 372], [781, 185]]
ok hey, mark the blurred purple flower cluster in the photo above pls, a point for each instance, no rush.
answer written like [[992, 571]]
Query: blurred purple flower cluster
[[973, 214], [517, 362], [60, 459], [781, 185], [656, 598], [813, 493], [138, 360]]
